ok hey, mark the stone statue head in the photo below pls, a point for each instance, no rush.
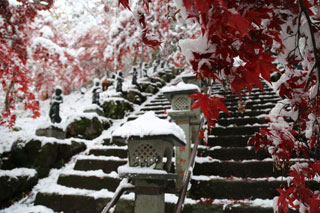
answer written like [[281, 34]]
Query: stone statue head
[[96, 82], [58, 91]]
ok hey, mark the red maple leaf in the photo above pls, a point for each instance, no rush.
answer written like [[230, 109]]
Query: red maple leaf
[[210, 106], [124, 3], [240, 24]]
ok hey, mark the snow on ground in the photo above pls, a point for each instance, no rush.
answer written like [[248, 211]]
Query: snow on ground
[[24, 129], [18, 172], [73, 106]]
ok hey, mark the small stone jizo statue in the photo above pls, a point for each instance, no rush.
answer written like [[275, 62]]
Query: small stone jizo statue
[[96, 92], [145, 70], [119, 82], [135, 77], [55, 106]]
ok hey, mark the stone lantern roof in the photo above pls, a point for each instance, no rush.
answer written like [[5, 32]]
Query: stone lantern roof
[[148, 126], [180, 89]]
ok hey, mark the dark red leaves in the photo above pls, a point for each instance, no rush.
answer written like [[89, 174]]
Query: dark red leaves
[[210, 106], [124, 3], [149, 40], [239, 23]]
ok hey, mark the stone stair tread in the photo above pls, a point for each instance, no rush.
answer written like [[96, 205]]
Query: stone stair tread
[[232, 153], [159, 107], [239, 188], [157, 104], [228, 140], [70, 203], [228, 168], [93, 180], [116, 151], [157, 112], [225, 122], [161, 116], [107, 164], [101, 158], [245, 130]]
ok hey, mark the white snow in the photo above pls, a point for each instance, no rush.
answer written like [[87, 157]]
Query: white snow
[[18, 172], [180, 87], [139, 170], [149, 125]]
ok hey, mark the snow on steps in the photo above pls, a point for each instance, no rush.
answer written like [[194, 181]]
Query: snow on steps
[[227, 168], [214, 187], [93, 179]]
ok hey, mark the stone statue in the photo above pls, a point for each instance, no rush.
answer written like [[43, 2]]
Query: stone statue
[[96, 92], [119, 82], [155, 65], [55, 106], [145, 70], [135, 77]]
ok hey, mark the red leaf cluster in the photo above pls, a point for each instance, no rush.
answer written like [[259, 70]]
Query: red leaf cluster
[[210, 106]]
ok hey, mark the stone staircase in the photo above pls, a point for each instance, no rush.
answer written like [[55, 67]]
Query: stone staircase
[[228, 175], [90, 185]]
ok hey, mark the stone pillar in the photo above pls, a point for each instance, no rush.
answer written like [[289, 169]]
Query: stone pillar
[[149, 196], [186, 119]]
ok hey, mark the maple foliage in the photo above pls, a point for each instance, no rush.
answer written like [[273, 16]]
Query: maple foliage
[[240, 43], [210, 106], [14, 36]]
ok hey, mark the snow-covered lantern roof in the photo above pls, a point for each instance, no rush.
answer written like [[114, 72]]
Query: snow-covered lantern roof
[[191, 79], [178, 95], [150, 143]]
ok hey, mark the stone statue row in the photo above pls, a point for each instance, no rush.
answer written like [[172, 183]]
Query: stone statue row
[[57, 98]]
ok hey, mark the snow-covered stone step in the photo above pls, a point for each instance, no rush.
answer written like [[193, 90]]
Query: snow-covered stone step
[[240, 130], [237, 188], [161, 116], [93, 180], [160, 98], [94, 203], [232, 153], [15, 182], [251, 107], [162, 103], [245, 169], [253, 93], [248, 112], [253, 97], [156, 108], [232, 121], [257, 101], [228, 140], [117, 151], [157, 112], [70, 200], [107, 164]]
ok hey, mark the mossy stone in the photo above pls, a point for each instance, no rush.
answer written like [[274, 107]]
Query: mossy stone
[[85, 128], [134, 96], [116, 109], [149, 87]]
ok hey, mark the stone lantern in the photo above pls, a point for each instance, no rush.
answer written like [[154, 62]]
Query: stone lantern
[[187, 119], [150, 150]]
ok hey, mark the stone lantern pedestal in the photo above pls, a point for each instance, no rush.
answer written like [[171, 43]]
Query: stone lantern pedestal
[[150, 150], [186, 118]]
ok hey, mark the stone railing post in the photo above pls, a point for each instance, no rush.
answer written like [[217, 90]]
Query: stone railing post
[[150, 150], [186, 118]]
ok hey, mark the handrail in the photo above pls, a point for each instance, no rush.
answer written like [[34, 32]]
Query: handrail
[[120, 190], [187, 175]]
